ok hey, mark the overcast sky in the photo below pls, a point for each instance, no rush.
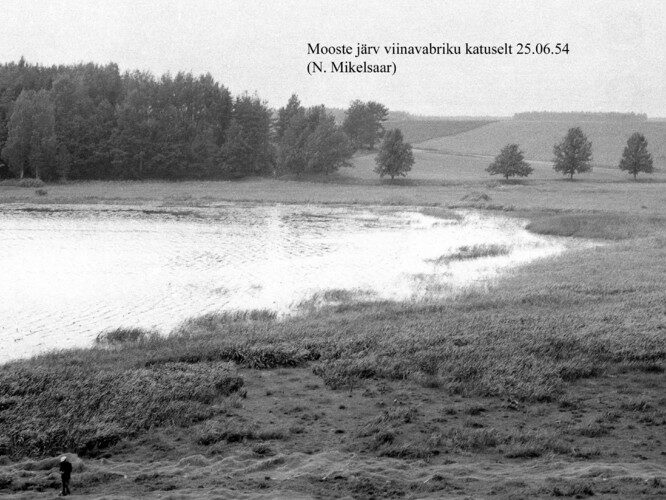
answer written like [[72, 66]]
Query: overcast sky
[[616, 62]]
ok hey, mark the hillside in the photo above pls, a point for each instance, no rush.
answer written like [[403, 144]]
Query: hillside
[[537, 138], [415, 131]]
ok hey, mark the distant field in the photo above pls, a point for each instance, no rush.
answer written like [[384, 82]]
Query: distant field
[[435, 166], [537, 138], [423, 130]]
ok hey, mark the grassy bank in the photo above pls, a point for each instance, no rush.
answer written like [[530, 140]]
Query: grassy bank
[[559, 365], [435, 180]]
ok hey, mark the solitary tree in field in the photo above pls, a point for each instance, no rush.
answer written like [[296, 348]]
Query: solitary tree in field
[[395, 157], [636, 157], [510, 162], [573, 154]]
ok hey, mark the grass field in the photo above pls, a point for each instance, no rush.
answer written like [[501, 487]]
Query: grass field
[[548, 384], [436, 179], [415, 131], [536, 139]]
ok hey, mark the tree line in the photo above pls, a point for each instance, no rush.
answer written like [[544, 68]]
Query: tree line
[[580, 116], [573, 155], [89, 121]]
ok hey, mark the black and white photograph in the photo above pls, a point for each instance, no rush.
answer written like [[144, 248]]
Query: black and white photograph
[[318, 249]]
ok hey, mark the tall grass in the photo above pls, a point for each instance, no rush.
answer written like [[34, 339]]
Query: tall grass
[[86, 401], [118, 336], [469, 252]]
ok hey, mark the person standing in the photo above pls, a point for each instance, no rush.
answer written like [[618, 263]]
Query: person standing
[[65, 475]]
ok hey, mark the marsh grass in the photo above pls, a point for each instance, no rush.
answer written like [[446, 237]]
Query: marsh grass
[[335, 298], [87, 408], [469, 252], [118, 336]]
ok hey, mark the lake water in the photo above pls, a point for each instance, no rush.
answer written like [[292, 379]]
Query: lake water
[[70, 273]]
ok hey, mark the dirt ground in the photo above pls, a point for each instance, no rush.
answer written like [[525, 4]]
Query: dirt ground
[[297, 438]]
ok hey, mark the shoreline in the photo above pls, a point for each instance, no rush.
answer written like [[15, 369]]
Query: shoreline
[[557, 367], [436, 279]]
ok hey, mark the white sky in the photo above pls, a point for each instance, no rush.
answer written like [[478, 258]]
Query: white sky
[[617, 59]]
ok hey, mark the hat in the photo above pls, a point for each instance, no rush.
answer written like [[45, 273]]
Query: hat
[[63, 458]]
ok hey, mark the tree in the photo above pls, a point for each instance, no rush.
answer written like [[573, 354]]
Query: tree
[[379, 114], [16, 151], [30, 146], [510, 162], [327, 148], [395, 157], [236, 153], [573, 154], [312, 142], [364, 123], [636, 158], [83, 125], [290, 148], [253, 118], [285, 115], [134, 139]]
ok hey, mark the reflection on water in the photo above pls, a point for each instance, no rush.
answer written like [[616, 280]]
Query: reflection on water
[[68, 274]]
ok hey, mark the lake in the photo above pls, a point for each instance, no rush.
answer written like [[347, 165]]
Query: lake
[[69, 272]]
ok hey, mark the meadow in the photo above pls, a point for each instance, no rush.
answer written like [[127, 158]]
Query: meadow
[[536, 139], [547, 383], [415, 130]]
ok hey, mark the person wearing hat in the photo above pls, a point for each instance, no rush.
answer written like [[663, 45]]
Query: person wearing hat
[[65, 474]]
